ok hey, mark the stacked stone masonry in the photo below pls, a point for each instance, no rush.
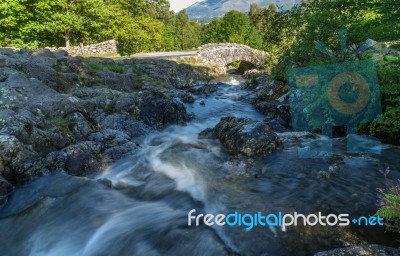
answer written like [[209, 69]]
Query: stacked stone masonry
[[107, 47], [225, 53]]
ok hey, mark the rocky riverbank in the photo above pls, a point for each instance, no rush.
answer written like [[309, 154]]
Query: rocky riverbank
[[66, 117], [78, 114]]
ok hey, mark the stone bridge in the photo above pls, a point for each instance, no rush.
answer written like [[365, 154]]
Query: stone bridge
[[225, 53]]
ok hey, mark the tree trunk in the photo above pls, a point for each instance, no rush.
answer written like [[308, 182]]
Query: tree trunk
[[67, 40], [82, 49]]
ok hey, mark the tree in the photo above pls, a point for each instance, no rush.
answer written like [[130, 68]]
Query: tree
[[140, 34], [234, 27], [187, 32], [138, 25], [15, 16]]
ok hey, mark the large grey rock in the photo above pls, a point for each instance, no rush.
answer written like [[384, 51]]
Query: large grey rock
[[270, 98], [156, 109], [245, 136], [124, 123], [120, 82], [169, 73], [53, 104], [79, 126], [17, 161], [362, 250], [117, 144], [186, 97], [152, 107], [204, 89], [79, 159], [5, 189], [281, 112]]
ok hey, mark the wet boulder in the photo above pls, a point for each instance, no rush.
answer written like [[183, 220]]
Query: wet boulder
[[204, 89], [17, 161], [157, 109], [5, 189], [275, 111], [120, 82], [117, 144], [79, 126], [271, 98], [124, 123], [79, 159], [186, 97], [244, 136], [366, 250], [166, 72]]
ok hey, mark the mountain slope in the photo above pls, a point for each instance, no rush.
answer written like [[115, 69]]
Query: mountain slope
[[215, 8]]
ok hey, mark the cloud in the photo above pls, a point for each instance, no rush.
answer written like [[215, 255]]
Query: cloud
[[177, 5]]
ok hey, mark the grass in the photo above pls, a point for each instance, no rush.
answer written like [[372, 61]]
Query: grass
[[116, 68], [93, 66], [190, 60], [104, 55]]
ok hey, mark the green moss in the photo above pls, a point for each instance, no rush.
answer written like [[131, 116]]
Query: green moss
[[93, 66], [109, 109], [98, 155], [62, 123], [160, 84], [116, 68], [136, 70], [37, 169]]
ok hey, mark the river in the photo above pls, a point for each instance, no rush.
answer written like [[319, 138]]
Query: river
[[140, 205]]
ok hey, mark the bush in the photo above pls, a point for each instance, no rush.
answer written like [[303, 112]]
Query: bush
[[389, 207], [388, 127]]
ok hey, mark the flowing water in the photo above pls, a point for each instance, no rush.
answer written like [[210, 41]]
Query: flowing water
[[139, 206]]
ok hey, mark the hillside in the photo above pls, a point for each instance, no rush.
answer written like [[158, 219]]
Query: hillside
[[214, 8]]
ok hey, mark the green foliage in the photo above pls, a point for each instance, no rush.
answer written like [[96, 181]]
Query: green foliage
[[392, 209], [187, 32], [291, 37], [139, 35], [190, 60], [388, 127], [234, 27], [138, 25], [93, 66], [389, 202], [15, 25], [297, 30], [117, 68]]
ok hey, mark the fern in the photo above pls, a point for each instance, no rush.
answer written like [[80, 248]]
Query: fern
[[391, 207], [389, 212], [393, 199]]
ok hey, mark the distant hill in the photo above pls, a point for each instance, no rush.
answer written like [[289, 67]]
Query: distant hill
[[206, 9]]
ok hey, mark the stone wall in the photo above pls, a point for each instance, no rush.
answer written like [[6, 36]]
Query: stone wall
[[225, 53], [107, 47], [390, 43]]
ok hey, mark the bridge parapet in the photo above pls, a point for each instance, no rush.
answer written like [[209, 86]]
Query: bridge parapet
[[225, 53]]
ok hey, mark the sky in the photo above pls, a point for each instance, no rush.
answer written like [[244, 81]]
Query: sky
[[177, 5]]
